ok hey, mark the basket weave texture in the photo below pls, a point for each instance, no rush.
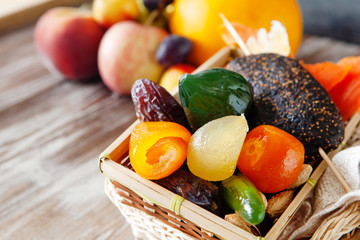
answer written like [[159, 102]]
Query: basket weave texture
[[150, 221], [345, 222]]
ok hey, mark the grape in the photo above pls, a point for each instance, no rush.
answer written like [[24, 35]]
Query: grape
[[173, 50], [154, 4]]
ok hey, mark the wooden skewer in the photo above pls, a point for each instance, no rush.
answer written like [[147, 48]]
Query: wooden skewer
[[354, 121], [334, 169], [229, 27], [349, 130]]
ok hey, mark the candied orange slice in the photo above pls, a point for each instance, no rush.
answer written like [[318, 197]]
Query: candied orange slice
[[328, 74]]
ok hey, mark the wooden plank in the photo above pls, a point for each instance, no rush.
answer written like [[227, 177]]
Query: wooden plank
[[19, 13]]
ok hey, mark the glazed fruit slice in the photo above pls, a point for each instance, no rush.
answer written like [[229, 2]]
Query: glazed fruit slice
[[157, 149], [214, 148]]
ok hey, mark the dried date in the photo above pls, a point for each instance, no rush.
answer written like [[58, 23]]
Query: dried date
[[201, 192], [154, 103]]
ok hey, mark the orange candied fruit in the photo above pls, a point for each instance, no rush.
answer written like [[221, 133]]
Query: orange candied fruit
[[271, 158], [157, 149]]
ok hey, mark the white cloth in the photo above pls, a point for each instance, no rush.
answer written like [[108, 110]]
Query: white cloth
[[329, 196]]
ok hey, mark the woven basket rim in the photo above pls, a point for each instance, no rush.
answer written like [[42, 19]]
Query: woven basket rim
[[132, 199]]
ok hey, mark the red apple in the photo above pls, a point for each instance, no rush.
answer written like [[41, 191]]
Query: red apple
[[127, 53], [68, 39], [170, 78]]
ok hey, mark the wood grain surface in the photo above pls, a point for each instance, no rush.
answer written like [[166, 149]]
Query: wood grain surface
[[20, 13], [51, 133]]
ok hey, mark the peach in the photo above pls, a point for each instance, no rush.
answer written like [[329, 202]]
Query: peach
[[67, 39], [170, 78], [127, 53], [109, 12]]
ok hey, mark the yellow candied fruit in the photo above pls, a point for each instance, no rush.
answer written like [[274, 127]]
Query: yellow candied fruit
[[214, 148]]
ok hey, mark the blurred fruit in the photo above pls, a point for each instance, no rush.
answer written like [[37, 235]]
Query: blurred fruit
[[328, 74], [173, 50], [68, 39], [170, 78], [346, 94], [215, 147], [109, 12], [271, 158], [158, 149], [243, 31], [151, 4], [127, 53], [199, 21], [154, 4]]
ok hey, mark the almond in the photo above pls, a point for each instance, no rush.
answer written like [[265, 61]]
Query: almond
[[278, 203], [303, 176]]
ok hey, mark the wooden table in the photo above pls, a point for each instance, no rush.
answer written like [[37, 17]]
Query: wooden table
[[51, 133]]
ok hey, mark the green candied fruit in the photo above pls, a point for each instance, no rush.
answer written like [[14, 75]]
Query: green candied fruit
[[213, 93], [242, 196]]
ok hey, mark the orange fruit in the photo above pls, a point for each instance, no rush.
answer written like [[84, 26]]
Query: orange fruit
[[243, 31], [199, 21]]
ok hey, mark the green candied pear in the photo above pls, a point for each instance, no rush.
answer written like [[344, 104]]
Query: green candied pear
[[213, 93], [241, 195]]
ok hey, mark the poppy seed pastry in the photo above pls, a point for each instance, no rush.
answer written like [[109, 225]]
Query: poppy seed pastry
[[288, 97]]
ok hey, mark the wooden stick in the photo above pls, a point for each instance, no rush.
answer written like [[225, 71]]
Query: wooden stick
[[286, 216], [351, 126], [334, 169], [229, 27]]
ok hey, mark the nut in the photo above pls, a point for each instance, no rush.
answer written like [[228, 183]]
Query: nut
[[238, 221], [303, 176], [278, 203], [264, 199]]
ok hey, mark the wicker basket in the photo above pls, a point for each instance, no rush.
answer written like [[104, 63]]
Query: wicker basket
[[156, 213]]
